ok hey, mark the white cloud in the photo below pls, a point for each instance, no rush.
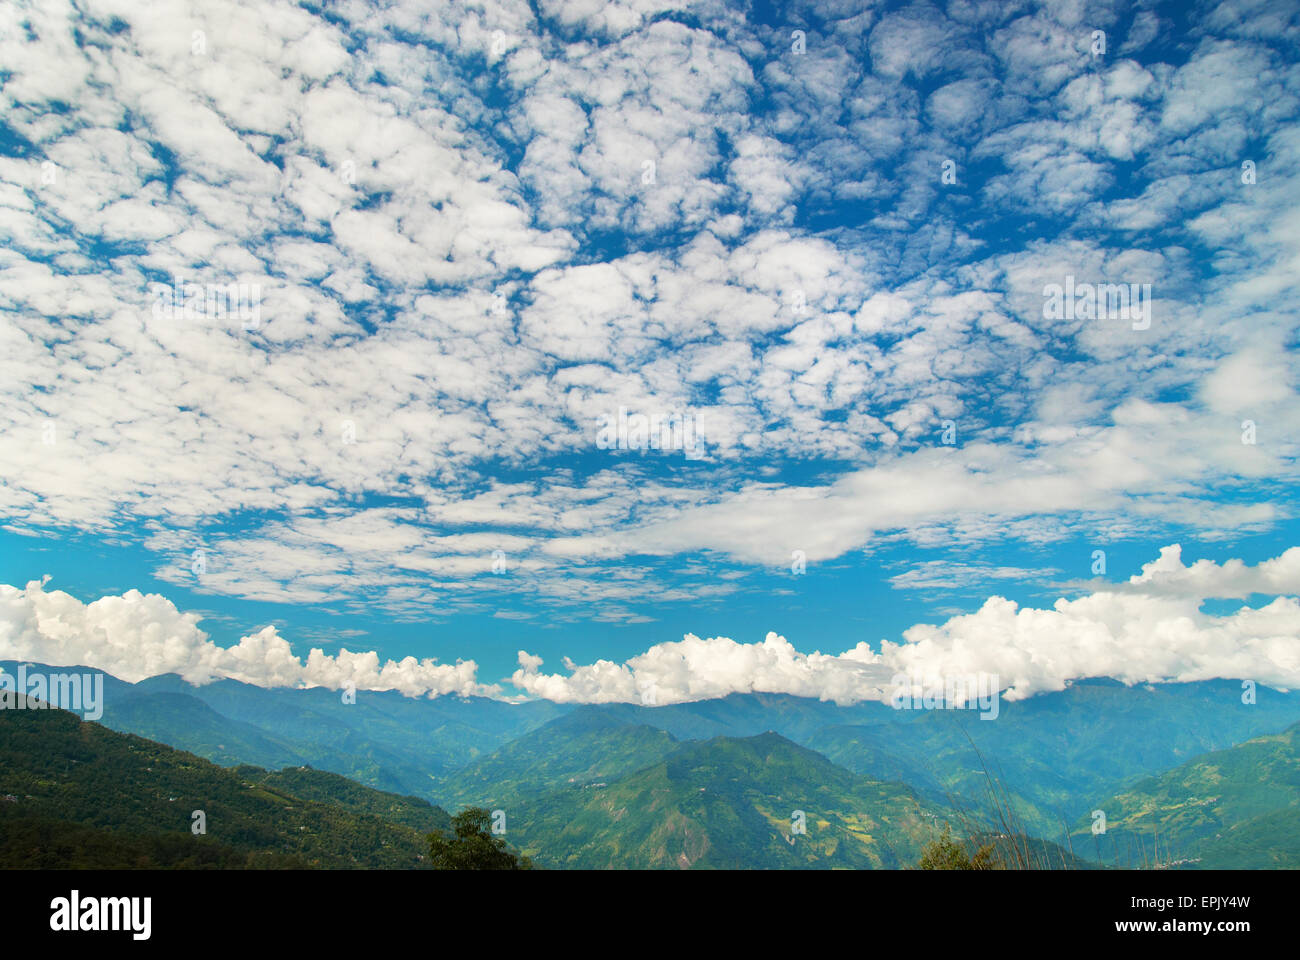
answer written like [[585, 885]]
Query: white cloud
[[955, 575], [1153, 633], [385, 192], [135, 636], [1148, 630]]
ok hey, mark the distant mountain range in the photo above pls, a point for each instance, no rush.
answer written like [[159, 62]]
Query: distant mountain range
[[74, 793], [718, 783], [1229, 809], [758, 802], [589, 790], [1057, 752], [384, 740], [578, 749]]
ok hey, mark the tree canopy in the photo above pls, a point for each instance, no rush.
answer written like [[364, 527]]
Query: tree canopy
[[471, 846]]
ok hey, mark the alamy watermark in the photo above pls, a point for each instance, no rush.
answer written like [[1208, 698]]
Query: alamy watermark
[[657, 431], [208, 301], [75, 913], [974, 691], [1098, 301], [76, 692]]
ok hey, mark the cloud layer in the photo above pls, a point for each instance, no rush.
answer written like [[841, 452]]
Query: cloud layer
[[479, 229], [137, 635], [1148, 630]]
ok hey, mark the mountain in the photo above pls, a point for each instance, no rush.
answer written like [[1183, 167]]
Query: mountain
[[579, 748], [729, 803], [1054, 753], [331, 788], [190, 724], [1057, 752], [746, 715], [1228, 809], [1268, 841], [382, 733], [384, 739], [74, 793]]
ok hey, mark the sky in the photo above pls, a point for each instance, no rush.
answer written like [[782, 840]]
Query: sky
[[473, 256]]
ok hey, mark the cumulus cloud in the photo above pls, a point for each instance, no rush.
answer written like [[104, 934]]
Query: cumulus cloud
[[135, 636], [1152, 633], [1150, 629], [1232, 579], [699, 669]]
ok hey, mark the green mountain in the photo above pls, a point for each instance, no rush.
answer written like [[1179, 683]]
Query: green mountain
[[746, 715], [1267, 841], [75, 793], [729, 803], [575, 750], [1228, 809], [384, 739], [190, 724], [330, 788], [1057, 752]]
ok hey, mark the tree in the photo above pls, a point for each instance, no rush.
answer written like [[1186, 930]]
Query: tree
[[472, 846], [947, 854]]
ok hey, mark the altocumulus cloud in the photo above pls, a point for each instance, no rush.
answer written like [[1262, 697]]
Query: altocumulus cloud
[[1148, 630], [427, 193]]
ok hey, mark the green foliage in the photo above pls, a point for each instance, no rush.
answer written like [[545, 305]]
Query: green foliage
[[1229, 809], [728, 803], [35, 843], [308, 784], [384, 740], [1056, 754], [83, 795], [614, 785], [584, 747], [1270, 840], [945, 853], [471, 845]]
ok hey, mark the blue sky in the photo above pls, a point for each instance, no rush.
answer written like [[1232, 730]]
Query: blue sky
[[821, 234]]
